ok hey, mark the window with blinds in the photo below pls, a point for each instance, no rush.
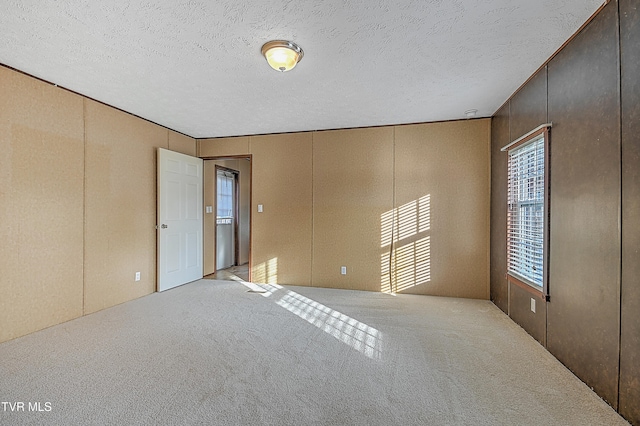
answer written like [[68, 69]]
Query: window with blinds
[[224, 198], [526, 211]]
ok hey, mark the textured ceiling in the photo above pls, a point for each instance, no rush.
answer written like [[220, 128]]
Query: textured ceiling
[[195, 65]]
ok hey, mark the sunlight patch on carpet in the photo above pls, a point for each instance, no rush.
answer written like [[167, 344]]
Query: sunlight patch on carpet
[[358, 335]]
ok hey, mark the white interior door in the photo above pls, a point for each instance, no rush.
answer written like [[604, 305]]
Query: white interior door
[[179, 219]]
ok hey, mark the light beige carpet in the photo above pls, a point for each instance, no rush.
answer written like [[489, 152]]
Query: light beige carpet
[[222, 353]]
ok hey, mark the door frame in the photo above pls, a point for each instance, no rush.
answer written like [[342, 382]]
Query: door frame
[[236, 213], [239, 157]]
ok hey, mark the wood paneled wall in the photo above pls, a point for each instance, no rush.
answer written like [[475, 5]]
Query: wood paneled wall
[[441, 169], [181, 143], [120, 206], [281, 234], [352, 191], [331, 198], [500, 137], [77, 204], [222, 147], [592, 321], [584, 273], [629, 405], [41, 205]]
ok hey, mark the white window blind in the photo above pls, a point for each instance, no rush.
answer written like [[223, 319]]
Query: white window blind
[[525, 215]]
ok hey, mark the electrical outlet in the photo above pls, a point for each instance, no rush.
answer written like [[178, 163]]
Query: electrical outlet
[[533, 305], [137, 276], [343, 270]]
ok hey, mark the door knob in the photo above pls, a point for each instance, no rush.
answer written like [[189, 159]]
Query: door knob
[[163, 226]]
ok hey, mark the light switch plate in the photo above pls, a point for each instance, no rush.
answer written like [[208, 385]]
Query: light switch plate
[[259, 208], [343, 270], [533, 305]]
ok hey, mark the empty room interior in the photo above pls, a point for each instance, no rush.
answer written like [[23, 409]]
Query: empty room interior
[[425, 213]]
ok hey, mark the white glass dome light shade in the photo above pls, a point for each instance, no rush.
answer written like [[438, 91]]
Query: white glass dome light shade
[[282, 55]]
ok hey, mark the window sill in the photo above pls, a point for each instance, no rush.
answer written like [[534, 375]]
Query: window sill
[[528, 287]]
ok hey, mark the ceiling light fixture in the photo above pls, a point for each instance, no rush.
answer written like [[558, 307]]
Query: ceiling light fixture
[[282, 55], [470, 113]]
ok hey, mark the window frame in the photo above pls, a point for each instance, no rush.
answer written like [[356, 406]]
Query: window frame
[[542, 292], [229, 178]]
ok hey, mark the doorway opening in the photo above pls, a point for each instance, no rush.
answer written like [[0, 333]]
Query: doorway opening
[[227, 233], [227, 218]]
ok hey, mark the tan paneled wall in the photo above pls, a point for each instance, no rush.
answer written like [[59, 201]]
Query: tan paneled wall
[[41, 205], [77, 204], [442, 188], [352, 191], [336, 198], [221, 147], [281, 235], [120, 205], [181, 143]]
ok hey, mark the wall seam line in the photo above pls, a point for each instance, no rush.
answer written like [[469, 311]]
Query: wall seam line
[[488, 293], [547, 256], [620, 212], [506, 266], [84, 204], [394, 202], [313, 207]]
